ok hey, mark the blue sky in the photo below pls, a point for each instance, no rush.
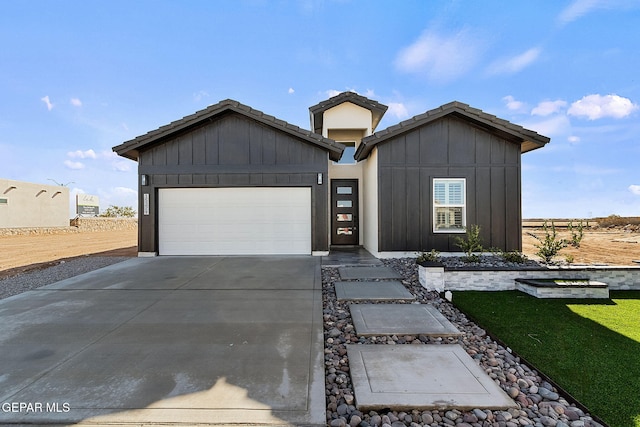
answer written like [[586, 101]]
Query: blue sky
[[78, 77]]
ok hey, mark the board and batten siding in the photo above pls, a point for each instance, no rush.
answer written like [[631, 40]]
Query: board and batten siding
[[233, 151], [448, 148]]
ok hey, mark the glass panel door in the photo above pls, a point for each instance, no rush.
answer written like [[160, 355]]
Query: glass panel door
[[344, 212]]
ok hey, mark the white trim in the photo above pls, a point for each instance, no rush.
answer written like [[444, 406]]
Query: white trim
[[320, 253], [449, 205]]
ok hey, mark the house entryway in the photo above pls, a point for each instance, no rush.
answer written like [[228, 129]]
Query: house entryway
[[344, 212]]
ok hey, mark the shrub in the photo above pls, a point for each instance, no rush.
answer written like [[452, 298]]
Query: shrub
[[550, 245], [577, 233], [514, 256], [617, 220], [471, 243], [118, 212], [431, 256]]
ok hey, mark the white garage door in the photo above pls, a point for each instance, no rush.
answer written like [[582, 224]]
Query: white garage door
[[234, 221]]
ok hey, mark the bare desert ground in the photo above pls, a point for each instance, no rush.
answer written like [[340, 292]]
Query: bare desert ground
[[598, 246], [26, 252]]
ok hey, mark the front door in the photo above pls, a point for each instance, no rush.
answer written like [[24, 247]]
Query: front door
[[344, 212]]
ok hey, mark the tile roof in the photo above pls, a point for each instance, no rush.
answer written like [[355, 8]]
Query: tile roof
[[529, 140], [130, 149], [377, 109]]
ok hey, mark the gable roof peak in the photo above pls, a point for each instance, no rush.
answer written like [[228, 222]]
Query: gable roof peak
[[130, 149], [317, 111], [529, 139]]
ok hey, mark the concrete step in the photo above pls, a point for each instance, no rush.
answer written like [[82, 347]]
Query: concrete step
[[363, 273], [401, 319], [563, 288], [389, 290], [421, 377]]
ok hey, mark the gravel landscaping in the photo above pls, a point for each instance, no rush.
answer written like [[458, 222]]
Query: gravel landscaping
[[33, 279], [539, 402]]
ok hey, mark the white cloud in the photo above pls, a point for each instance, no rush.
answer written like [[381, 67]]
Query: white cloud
[[76, 102], [573, 139], [576, 9], [47, 102], [73, 165], [118, 196], [635, 189], [558, 125], [439, 57], [546, 108], [332, 92], [370, 93], [124, 190], [79, 154], [122, 166], [512, 104], [516, 63], [579, 8], [398, 110], [598, 106], [290, 91], [201, 94]]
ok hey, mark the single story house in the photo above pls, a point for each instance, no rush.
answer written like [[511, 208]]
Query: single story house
[[231, 180], [32, 205]]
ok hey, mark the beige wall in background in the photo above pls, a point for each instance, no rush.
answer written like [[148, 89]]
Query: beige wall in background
[[25, 204]]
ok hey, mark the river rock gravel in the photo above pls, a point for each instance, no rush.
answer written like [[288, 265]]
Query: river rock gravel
[[539, 403]]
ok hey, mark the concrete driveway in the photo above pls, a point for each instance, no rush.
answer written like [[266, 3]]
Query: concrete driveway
[[185, 340]]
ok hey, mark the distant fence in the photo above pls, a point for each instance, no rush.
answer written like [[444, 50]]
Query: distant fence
[[78, 225]]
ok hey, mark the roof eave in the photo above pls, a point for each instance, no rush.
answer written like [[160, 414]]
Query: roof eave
[[130, 149], [528, 139]]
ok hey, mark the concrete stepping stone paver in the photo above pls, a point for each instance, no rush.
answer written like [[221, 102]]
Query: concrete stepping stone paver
[[422, 377], [401, 319], [381, 291], [354, 273]]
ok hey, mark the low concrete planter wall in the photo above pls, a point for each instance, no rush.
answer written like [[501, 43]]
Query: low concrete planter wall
[[105, 224], [617, 277]]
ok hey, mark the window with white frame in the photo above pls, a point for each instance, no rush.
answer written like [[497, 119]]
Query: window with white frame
[[449, 205]]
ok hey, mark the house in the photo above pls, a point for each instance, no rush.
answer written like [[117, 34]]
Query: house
[[32, 205], [232, 180]]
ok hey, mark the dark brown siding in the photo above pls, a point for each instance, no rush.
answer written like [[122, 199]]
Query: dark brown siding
[[448, 148], [234, 151]]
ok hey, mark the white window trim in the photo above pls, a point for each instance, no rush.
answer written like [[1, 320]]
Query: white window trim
[[463, 206]]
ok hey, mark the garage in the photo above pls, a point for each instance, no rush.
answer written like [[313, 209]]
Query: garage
[[234, 221], [232, 180]]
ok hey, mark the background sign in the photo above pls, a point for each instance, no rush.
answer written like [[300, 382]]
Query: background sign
[[86, 204]]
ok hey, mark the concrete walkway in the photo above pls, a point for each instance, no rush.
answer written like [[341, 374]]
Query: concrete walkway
[[186, 340], [406, 377]]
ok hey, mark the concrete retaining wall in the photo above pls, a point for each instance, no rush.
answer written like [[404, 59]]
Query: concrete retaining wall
[[618, 278]]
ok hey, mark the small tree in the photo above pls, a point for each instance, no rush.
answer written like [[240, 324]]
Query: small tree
[[471, 243], [577, 233], [550, 245], [118, 212]]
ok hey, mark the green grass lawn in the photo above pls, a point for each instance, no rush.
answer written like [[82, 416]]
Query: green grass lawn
[[591, 348]]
